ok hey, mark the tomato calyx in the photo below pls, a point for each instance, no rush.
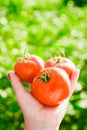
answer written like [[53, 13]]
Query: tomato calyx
[[58, 61], [24, 59], [45, 76]]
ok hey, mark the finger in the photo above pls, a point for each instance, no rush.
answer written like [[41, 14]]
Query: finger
[[74, 79]]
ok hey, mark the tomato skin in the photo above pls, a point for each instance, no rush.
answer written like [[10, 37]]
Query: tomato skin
[[61, 62], [38, 60], [53, 91], [27, 69]]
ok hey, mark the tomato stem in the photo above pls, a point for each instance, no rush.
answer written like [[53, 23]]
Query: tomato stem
[[25, 58], [45, 76], [58, 62]]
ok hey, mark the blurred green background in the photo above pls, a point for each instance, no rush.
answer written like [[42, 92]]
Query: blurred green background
[[45, 28]]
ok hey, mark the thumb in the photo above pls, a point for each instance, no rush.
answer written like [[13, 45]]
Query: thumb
[[24, 98], [17, 86]]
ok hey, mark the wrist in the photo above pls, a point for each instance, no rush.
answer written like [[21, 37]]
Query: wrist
[[29, 125]]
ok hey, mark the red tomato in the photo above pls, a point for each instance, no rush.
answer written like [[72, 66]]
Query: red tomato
[[51, 86], [61, 62], [27, 67]]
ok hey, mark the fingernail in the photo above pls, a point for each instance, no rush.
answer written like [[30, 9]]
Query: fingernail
[[9, 77]]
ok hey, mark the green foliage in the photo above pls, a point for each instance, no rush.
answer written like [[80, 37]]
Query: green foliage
[[45, 28], [75, 2]]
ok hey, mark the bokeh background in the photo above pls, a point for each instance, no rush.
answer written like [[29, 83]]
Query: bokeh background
[[45, 28]]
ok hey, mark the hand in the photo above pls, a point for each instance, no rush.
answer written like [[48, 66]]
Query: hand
[[36, 115]]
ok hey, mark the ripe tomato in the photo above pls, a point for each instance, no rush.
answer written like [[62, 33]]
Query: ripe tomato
[[27, 67], [51, 86], [61, 62]]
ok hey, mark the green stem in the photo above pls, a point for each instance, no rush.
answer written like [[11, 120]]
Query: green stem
[[45, 77]]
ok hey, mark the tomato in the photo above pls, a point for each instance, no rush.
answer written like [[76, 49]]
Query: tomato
[[27, 67], [61, 62], [51, 86]]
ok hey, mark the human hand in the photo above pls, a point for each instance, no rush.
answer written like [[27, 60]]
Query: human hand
[[36, 115]]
